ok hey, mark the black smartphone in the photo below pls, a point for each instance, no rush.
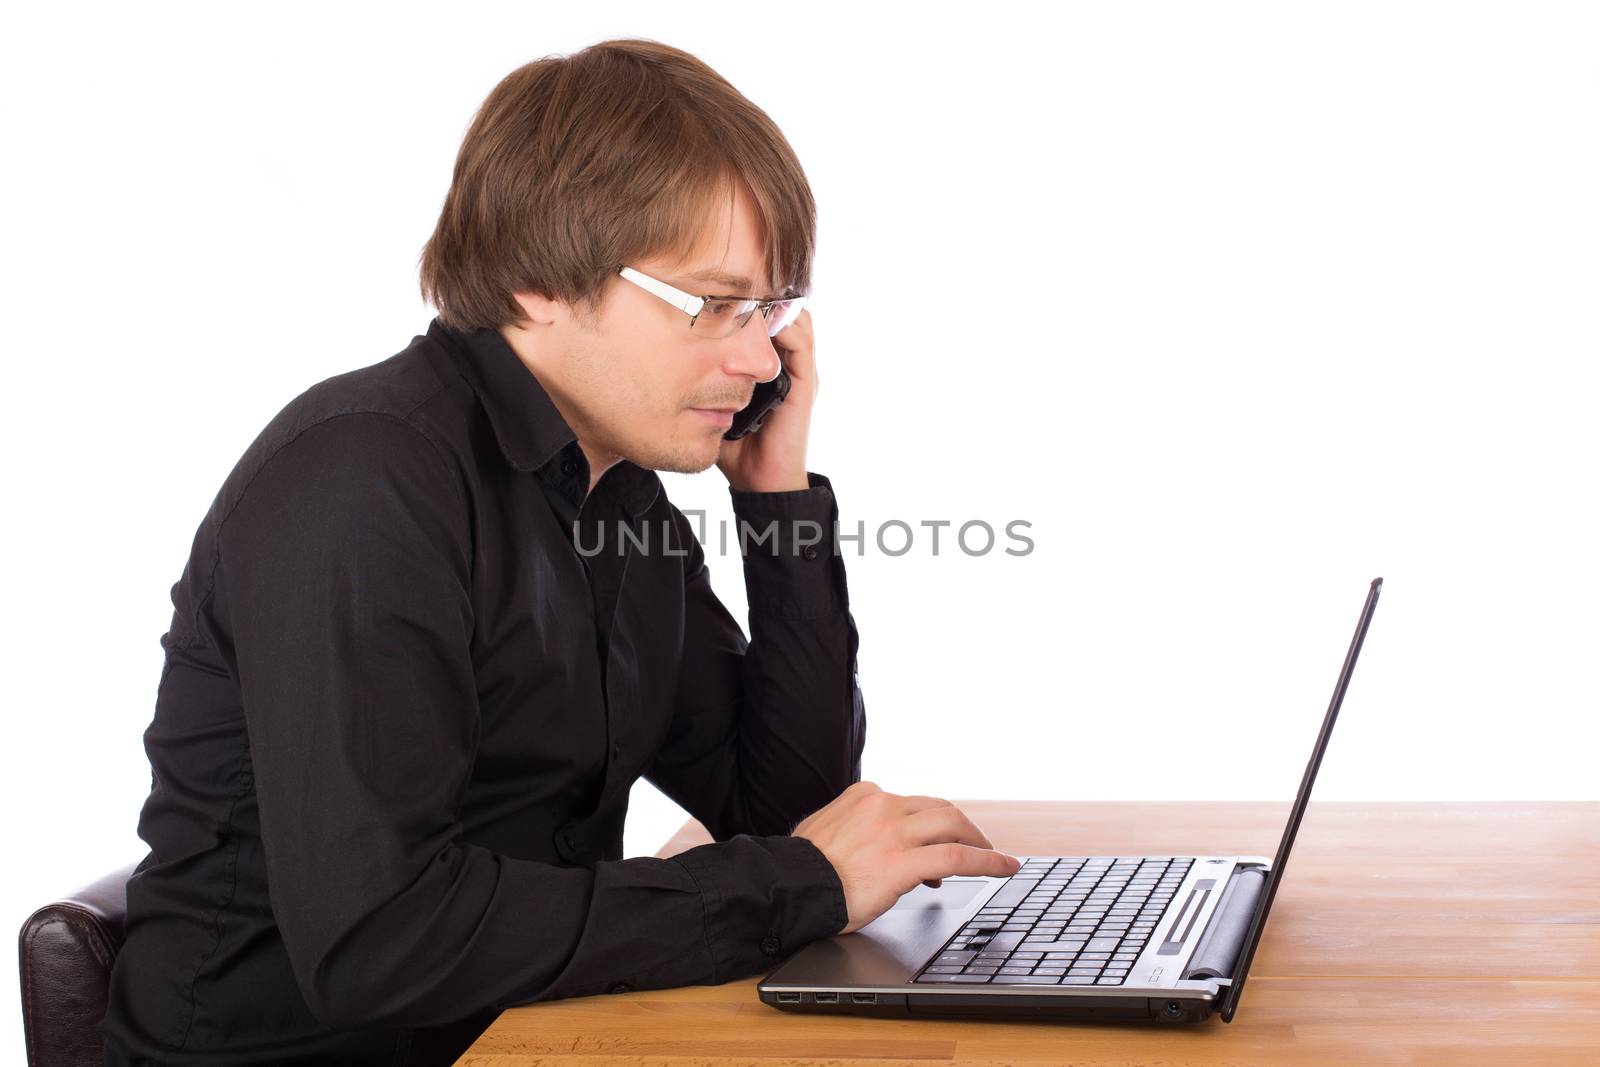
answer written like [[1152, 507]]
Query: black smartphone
[[767, 396]]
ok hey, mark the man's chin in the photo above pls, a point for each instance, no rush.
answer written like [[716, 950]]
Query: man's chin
[[688, 458]]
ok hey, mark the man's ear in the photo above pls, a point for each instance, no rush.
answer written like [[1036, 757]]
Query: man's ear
[[539, 310]]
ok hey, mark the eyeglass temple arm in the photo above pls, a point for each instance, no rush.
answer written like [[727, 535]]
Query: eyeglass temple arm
[[689, 305]]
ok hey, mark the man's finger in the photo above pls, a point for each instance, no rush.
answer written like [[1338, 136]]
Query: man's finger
[[917, 802], [934, 824], [948, 859]]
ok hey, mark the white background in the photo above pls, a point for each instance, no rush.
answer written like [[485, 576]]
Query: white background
[[1238, 305]]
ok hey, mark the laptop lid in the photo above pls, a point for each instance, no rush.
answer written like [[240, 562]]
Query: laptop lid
[[1230, 999]]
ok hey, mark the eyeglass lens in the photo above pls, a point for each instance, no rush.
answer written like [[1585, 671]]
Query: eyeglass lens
[[719, 318]]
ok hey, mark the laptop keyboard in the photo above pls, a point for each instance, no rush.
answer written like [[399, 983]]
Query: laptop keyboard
[[1063, 920]]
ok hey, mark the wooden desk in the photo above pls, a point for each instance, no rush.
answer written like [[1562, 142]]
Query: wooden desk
[[1438, 933]]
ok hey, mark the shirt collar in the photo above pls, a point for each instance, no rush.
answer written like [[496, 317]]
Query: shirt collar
[[527, 425]]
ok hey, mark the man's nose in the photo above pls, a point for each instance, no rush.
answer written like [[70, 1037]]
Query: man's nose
[[752, 352]]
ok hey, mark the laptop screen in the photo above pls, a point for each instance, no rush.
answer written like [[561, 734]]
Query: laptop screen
[[1230, 999]]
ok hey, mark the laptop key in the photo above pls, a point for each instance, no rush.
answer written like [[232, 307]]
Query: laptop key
[[1005, 941], [956, 957], [1028, 979], [1010, 894], [959, 978], [1078, 979]]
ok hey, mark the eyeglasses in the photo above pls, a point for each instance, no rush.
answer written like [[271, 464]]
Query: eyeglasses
[[719, 316]]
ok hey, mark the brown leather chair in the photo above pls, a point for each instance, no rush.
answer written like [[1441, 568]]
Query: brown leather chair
[[66, 950]]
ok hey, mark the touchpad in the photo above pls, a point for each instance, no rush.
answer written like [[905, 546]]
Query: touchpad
[[954, 894], [890, 948]]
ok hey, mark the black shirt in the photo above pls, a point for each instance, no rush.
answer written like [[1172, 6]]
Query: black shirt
[[402, 706]]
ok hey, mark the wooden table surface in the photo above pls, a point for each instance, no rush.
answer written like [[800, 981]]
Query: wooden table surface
[[1403, 933]]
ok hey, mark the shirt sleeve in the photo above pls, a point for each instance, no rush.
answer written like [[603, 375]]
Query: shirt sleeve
[[345, 577], [768, 730]]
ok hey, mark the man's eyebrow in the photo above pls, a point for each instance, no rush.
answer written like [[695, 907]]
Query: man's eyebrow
[[737, 284]]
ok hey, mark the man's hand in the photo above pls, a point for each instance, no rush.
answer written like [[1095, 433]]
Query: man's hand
[[773, 459], [883, 844]]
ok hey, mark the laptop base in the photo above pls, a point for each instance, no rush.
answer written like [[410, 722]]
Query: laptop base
[[1167, 1011]]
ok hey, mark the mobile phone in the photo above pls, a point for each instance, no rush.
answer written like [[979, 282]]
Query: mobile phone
[[768, 395]]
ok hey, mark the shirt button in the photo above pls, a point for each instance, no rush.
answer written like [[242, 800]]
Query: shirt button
[[810, 552], [770, 945], [616, 752], [569, 467], [621, 987]]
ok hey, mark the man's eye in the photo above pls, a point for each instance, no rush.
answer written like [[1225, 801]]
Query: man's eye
[[719, 307]]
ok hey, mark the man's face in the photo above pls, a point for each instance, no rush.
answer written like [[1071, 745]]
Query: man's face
[[630, 380]]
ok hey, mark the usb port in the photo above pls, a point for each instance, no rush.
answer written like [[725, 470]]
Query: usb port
[[788, 998], [864, 998], [827, 998]]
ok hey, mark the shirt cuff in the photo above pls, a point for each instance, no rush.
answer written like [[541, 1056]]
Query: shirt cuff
[[793, 568], [765, 899]]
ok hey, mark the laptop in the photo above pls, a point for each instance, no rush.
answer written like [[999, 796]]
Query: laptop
[[1160, 939]]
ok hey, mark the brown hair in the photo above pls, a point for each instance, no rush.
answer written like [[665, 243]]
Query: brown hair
[[576, 165]]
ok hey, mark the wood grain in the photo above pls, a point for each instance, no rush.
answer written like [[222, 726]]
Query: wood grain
[[1403, 933]]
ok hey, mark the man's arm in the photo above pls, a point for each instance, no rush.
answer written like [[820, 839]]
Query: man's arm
[[767, 731], [345, 577]]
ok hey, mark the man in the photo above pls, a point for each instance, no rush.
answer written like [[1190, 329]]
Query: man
[[441, 616]]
